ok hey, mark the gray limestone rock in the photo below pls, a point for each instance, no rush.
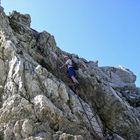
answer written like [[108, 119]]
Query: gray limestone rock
[[39, 102]]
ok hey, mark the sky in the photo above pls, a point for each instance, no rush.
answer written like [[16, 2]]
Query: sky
[[103, 30]]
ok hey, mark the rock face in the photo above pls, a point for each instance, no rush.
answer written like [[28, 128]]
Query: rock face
[[38, 101]]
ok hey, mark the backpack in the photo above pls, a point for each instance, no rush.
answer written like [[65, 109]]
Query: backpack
[[75, 65]]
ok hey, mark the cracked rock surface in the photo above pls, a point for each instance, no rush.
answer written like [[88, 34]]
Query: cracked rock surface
[[38, 101]]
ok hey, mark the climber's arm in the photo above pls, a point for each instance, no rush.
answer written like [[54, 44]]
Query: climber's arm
[[63, 66]]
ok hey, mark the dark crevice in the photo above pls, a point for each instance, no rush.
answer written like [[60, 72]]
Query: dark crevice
[[27, 96], [1, 135]]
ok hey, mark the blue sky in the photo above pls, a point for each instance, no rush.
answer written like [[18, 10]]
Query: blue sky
[[104, 30]]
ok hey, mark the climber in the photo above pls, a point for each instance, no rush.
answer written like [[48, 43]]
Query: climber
[[70, 70]]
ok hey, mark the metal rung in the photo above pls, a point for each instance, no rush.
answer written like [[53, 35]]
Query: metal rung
[[93, 132]]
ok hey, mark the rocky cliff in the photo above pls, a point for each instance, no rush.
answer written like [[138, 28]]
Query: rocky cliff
[[39, 102]]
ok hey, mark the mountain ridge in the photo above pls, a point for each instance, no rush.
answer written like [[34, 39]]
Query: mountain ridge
[[38, 102]]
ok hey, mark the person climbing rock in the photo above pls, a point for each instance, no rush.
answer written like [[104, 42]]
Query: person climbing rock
[[70, 70]]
